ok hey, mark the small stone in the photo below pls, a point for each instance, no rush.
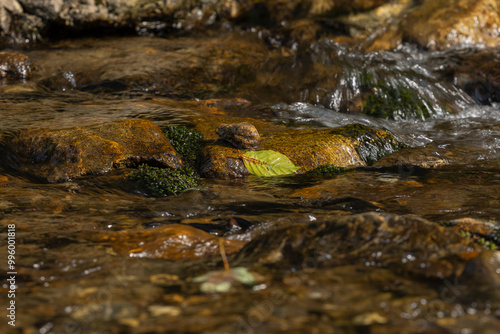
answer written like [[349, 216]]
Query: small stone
[[14, 65], [370, 318], [130, 322], [241, 135], [159, 310], [165, 280]]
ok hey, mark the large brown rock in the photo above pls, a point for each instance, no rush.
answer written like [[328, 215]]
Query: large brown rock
[[446, 23], [60, 155], [405, 244], [349, 146], [24, 21], [432, 24]]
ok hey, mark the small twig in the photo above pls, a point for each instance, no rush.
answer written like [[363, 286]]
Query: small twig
[[223, 255]]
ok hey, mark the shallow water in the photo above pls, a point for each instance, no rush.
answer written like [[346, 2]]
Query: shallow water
[[72, 278]]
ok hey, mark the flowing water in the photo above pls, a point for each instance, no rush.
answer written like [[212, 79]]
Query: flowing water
[[72, 280]]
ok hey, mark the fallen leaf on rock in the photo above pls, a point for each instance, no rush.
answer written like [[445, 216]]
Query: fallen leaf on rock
[[268, 163]]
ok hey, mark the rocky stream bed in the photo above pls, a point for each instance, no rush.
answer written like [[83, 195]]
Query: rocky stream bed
[[136, 136]]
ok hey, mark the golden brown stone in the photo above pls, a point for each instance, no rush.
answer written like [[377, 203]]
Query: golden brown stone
[[307, 148], [59, 155], [445, 23]]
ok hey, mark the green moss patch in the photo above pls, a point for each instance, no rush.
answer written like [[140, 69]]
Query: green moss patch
[[396, 103], [485, 243], [370, 144], [161, 182], [186, 141]]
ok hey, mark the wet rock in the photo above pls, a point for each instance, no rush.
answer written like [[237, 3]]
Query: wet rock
[[171, 242], [425, 157], [333, 76], [59, 155], [306, 148], [376, 28], [14, 65], [222, 162], [18, 27], [182, 67], [428, 156], [241, 135], [442, 24], [45, 9], [76, 15], [477, 73], [436, 25], [326, 7], [353, 145], [403, 243], [485, 233], [475, 226], [7, 8]]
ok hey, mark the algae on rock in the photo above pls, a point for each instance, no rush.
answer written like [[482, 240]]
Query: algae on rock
[[371, 144], [186, 141], [396, 104], [161, 182]]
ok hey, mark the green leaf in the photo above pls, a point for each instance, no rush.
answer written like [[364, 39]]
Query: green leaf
[[268, 163]]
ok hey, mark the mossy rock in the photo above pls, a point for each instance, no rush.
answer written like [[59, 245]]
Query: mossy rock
[[396, 103], [186, 141], [370, 144], [349, 146], [161, 182], [65, 154]]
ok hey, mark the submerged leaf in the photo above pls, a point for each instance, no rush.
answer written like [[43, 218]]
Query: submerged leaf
[[222, 280], [268, 163]]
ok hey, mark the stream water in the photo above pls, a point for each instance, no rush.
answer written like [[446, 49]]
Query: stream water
[[72, 280]]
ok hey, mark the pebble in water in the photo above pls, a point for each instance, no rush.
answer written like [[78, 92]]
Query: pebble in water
[[241, 135]]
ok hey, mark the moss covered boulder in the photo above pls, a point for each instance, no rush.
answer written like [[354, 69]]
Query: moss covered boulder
[[348, 146], [60, 155]]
